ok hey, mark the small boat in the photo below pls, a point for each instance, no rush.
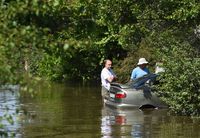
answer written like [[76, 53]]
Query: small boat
[[134, 94]]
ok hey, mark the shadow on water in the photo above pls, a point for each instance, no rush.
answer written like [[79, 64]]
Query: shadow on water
[[76, 111]]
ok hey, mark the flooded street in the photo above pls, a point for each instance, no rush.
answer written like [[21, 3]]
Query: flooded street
[[76, 111]]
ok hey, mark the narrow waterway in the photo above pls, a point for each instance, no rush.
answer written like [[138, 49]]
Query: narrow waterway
[[76, 111]]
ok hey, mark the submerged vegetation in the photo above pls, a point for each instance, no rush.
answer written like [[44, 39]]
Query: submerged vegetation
[[62, 40]]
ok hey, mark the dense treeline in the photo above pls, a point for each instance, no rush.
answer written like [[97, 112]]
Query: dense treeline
[[65, 39]]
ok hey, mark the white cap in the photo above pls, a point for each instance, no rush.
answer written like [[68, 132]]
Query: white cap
[[142, 61]]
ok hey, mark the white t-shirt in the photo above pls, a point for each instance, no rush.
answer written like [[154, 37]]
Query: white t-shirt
[[105, 74]]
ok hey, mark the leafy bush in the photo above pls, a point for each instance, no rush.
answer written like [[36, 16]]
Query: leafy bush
[[179, 84]]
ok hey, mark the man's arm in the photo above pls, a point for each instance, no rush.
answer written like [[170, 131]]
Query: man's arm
[[111, 78]]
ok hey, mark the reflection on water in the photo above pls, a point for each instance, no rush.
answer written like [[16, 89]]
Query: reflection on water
[[63, 111], [131, 123], [9, 104], [76, 111], [148, 123]]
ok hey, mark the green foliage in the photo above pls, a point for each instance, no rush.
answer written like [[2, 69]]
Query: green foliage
[[124, 67], [170, 38], [179, 84], [62, 40]]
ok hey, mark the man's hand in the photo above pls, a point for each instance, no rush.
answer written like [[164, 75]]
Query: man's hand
[[112, 78]]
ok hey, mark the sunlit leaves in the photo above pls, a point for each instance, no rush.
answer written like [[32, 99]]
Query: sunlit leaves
[[179, 83], [186, 10]]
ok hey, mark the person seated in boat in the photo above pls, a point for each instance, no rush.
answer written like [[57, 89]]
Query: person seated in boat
[[140, 70]]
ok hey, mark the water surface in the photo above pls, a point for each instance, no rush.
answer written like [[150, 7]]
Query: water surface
[[76, 111]]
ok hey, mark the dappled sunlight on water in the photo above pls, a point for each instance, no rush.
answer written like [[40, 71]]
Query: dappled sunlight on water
[[9, 105]]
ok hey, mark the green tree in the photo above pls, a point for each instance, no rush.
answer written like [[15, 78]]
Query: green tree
[[61, 40]]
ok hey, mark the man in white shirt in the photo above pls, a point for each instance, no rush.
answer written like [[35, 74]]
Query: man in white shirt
[[107, 76]]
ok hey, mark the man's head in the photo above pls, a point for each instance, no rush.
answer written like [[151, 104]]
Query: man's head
[[142, 63], [108, 63]]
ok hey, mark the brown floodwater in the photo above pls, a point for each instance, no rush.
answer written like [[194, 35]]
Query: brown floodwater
[[76, 111]]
